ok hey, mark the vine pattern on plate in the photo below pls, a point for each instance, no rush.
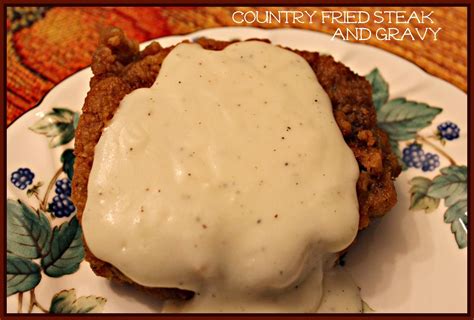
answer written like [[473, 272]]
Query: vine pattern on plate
[[403, 120], [44, 239]]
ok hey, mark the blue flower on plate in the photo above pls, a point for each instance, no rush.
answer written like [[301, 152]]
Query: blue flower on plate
[[61, 206], [413, 156], [448, 130], [63, 186], [22, 178], [431, 162]]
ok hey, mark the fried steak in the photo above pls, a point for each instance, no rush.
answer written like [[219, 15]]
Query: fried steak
[[119, 67]]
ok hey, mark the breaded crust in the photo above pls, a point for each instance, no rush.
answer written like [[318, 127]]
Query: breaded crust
[[119, 68]]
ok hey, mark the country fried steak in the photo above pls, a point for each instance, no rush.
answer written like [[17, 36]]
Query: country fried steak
[[119, 68]]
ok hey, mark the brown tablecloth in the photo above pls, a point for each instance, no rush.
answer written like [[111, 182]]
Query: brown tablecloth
[[45, 45]]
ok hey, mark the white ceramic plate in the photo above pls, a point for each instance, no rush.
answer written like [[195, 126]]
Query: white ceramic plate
[[409, 261]]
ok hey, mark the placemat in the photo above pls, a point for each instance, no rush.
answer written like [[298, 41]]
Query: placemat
[[46, 45]]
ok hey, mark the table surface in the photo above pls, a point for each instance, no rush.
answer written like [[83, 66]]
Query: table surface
[[46, 45]]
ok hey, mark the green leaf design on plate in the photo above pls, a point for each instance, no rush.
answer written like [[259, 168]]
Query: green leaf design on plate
[[457, 216], [402, 118], [68, 158], [66, 302], [398, 153], [379, 88], [28, 232], [458, 228], [67, 250], [451, 185], [57, 125], [22, 274], [456, 211], [419, 199], [75, 120]]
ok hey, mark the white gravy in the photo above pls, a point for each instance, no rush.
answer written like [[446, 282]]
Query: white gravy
[[228, 177]]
